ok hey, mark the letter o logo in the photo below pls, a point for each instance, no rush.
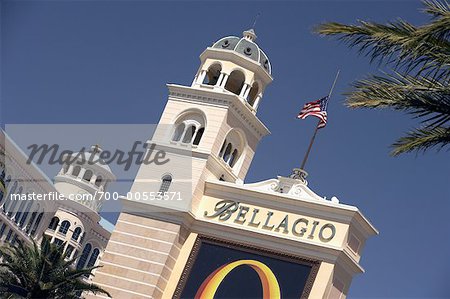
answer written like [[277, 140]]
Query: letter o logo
[[271, 289]]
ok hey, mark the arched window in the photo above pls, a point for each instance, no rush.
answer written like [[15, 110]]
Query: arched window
[[178, 132], [93, 258], [84, 256], [232, 148], [213, 74], [198, 136], [76, 233], [76, 170], [64, 228], [235, 82], [12, 207], [25, 214], [226, 155], [36, 224], [233, 158], [30, 222], [165, 184], [65, 168], [253, 94], [190, 127], [98, 181], [20, 209], [54, 223], [87, 175], [187, 138], [222, 149]]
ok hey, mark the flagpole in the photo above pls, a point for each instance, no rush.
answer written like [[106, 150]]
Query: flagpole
[[317, 127]]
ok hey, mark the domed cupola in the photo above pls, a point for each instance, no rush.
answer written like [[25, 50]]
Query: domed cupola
[[235, 65], [245, 46], [83, 176]]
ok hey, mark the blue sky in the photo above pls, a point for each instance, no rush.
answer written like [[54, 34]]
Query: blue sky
[[80, 62]]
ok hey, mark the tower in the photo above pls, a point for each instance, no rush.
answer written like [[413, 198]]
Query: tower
[[279, 228], [83, 175], [77, 223]]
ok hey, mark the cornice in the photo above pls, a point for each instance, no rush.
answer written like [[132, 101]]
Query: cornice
[[211, 97]]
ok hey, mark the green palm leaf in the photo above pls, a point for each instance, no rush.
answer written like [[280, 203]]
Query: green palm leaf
[[419, 78], [42, 272]]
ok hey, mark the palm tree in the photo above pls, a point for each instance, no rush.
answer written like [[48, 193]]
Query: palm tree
[[417, 81], [42, 272]]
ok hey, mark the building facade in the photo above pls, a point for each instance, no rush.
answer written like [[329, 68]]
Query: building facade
[[69, 221], [270, 239]]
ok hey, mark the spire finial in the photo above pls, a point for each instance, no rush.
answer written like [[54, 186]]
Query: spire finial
[[256, 19]]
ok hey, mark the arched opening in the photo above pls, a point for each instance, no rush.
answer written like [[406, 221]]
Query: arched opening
[[253, 94], [232, 148], [53, 223], [76, 170], [213, 74], [87, 175], [65, 168], [84, 256], [178, 132], [12, 207], [19, 211], [190, 127], [235, 82], [25, 214], [222, 149], [233, 158], [198, 136], [64, 228], [93, 258], [227, 153], [98, 181], [187, 138], [76, 234], [165, 184], [37, 223]]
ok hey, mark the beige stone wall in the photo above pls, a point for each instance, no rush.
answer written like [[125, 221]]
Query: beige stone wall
[[139, 258]]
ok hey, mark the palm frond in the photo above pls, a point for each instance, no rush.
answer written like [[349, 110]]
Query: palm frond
[[421, 140], [425, 98], [425, 48], [43, 272], [436, 8]]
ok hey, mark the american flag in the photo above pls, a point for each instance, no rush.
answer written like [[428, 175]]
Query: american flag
[[318, 109]]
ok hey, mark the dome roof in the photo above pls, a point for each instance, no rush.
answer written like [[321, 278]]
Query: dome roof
[[246, 46]]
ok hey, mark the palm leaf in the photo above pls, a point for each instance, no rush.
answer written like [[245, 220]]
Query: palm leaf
[[420, 140]]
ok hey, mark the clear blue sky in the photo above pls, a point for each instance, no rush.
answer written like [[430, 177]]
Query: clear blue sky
[[109, 61]]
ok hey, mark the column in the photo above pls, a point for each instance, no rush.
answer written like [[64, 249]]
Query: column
[[202, 76], [220, 79], [195, 80], [81, 174], [224, 80], [256, 104], [247, 91], [244, 90]]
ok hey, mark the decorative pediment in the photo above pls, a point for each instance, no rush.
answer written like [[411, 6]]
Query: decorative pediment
[[294, 187]]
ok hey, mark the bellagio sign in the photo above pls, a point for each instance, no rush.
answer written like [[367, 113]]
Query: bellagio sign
[[298, 226]]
